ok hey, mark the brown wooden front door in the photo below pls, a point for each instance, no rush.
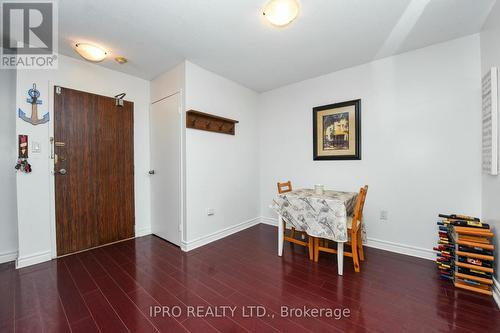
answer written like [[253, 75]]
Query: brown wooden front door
[[94, 170]]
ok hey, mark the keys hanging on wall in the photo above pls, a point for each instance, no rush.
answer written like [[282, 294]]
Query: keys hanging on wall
[[22, 161]]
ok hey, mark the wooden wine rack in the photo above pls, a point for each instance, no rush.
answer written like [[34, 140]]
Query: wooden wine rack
[[462, 242]]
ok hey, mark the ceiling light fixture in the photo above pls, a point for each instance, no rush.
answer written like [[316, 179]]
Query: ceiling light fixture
[[281, 12], [121, 60], [90, 52]]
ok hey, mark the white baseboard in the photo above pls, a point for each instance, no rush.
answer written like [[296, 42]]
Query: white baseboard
[[33, 259], [204, 240], [8, 256], [496, 291], [269, 221], [40, 257], [142, 232], [409, 250]]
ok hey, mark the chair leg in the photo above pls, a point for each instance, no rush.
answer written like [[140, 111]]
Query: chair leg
[[310, 244], [316, 249], [281, 235], [354, 247], [292, 234], [360, 246]]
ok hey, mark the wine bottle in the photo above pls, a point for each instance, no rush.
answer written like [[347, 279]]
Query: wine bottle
[[476, 262], [459, 217], [477, 250], [474, 272], [472, 282], [471, 224]]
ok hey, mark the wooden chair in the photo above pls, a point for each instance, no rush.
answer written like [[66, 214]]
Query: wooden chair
[[355, 238], [284, 188]]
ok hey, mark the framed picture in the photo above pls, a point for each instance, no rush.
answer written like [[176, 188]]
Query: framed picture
[[337, 131]]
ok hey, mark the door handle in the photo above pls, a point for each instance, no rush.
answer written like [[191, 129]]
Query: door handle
[[151, 172], [62, 172]]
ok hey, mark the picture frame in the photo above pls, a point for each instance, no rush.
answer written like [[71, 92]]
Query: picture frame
[[337, 131]]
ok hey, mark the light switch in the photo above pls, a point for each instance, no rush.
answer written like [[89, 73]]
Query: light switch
[[36, 147], [210, 211]]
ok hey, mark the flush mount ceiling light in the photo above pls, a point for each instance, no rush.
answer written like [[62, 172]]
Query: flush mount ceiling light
[[281, 12], [90, 52]]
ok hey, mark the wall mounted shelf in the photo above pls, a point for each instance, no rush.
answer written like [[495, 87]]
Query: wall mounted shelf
[[208, 122]]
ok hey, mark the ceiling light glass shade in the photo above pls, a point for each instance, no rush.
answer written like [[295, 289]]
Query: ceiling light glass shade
[[90, 52], [281, 12]]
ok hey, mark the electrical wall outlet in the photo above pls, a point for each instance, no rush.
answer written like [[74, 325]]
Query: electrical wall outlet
[[384, 215], [210, 211]]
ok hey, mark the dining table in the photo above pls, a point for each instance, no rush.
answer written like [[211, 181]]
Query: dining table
[[322, 214]]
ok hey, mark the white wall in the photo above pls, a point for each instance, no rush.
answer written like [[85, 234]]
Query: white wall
[[222, 171], [490, 57], [420, 140], [168, 83], [8, 144], [35, 210]]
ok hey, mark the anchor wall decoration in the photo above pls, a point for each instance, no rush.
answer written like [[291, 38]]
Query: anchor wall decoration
[[33, 94]]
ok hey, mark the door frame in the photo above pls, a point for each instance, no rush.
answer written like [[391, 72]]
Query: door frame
[[182, 174]]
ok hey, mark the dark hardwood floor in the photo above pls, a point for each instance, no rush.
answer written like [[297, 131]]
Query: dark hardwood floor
[[112, 289]]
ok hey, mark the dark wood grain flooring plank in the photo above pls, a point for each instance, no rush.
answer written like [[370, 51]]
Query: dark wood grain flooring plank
[[113, 289]]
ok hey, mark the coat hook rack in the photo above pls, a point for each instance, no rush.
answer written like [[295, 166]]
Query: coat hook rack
[[209, 122]]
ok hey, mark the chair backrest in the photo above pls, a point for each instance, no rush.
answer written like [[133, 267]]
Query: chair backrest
[[284, 187], [358, 210]]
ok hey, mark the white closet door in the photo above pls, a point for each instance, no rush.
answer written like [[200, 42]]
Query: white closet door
[[166, 169]]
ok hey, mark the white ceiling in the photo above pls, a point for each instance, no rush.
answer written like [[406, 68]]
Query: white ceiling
[[231, 38]]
